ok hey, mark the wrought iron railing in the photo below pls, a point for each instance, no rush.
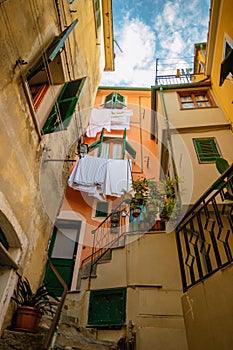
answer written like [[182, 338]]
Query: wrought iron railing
[[205, 235], [110, 232]]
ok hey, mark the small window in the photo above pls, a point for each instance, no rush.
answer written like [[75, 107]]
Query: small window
[[61, 113], [101, 210], [107, 307], [227, 63], [114, 100], [207, 150], [195, 99]]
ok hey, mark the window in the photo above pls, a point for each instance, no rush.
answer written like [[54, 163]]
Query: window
[[114, 100], [112, 148], [227, 63], [195, 99], [48, 67], [101, 210], [61, 113], [107, 307], [207, 150]]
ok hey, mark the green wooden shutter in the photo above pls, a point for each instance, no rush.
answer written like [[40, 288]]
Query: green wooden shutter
[[107, 307], [226, 66], [64, 107], [206, 149], [98, 143], [114, 100], [109, 101], [119, 101], [127, 147]]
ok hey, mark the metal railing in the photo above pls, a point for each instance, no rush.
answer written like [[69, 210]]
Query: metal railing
[[173, 79], [110, 233], [205, 235]]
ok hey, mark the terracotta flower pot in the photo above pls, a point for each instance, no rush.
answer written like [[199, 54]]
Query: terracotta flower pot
[[136, 212], [27, 318]]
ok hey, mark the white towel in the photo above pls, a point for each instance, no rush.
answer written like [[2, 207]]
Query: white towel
[[118, 177], [99, 119]]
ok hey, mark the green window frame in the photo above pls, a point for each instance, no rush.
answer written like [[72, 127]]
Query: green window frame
[[207, 150], [114, 100], [227, 63], [101, 209], [126, 145], [63, 109], [107, 308]]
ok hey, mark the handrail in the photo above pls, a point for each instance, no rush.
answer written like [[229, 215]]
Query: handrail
[[226, 174], [56, 317], [204, 236]]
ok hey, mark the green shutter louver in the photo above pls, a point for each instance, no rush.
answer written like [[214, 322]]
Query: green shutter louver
[[119, 101], [107, 307], [114, 100], [226, 66], [63, 110], [127, 147], [206, 149]]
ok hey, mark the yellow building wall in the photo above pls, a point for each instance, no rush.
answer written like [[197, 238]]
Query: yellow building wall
[[33, 174], [223, 93]]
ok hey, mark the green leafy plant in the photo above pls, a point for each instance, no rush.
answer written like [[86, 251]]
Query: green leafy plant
[[222, 165], [42, 299]]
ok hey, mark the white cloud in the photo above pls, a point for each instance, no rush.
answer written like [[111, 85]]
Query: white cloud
[[134, 64], [176, 29]]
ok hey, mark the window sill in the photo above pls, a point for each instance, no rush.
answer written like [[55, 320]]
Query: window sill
[[197, 108]]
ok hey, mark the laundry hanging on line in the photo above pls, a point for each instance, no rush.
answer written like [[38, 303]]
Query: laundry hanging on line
[[110, 119], [100, 177]]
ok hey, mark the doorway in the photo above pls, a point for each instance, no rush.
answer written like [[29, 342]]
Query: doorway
[[62, 252]]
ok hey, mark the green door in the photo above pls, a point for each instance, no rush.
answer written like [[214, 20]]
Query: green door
[[62, 252]]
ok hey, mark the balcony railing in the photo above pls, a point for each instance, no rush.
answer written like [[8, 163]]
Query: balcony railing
[[173, 79], [205, 235]]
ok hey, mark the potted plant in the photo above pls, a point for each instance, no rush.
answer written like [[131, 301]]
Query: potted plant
[[31, 305], [135, 207], [140, 187], [162, 202]]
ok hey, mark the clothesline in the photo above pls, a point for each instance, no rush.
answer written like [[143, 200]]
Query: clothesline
[[110, 119], [100, 177]]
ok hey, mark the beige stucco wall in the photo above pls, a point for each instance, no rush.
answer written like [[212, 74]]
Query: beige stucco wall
[[148, 268], [32, 183], [181, 118], [196, 178], [208, 309], [185, 125]]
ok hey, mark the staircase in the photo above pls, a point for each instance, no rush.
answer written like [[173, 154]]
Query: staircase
[[71, 336]]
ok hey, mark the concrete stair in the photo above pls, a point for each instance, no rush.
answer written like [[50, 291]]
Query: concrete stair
[[71, 336]]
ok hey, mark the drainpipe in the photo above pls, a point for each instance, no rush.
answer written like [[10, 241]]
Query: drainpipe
[[169, 143]]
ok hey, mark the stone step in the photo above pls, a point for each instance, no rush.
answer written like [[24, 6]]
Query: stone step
[[21, 340], [65, 341]]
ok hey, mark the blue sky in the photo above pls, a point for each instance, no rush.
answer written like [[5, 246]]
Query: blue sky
[[150, 29]]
